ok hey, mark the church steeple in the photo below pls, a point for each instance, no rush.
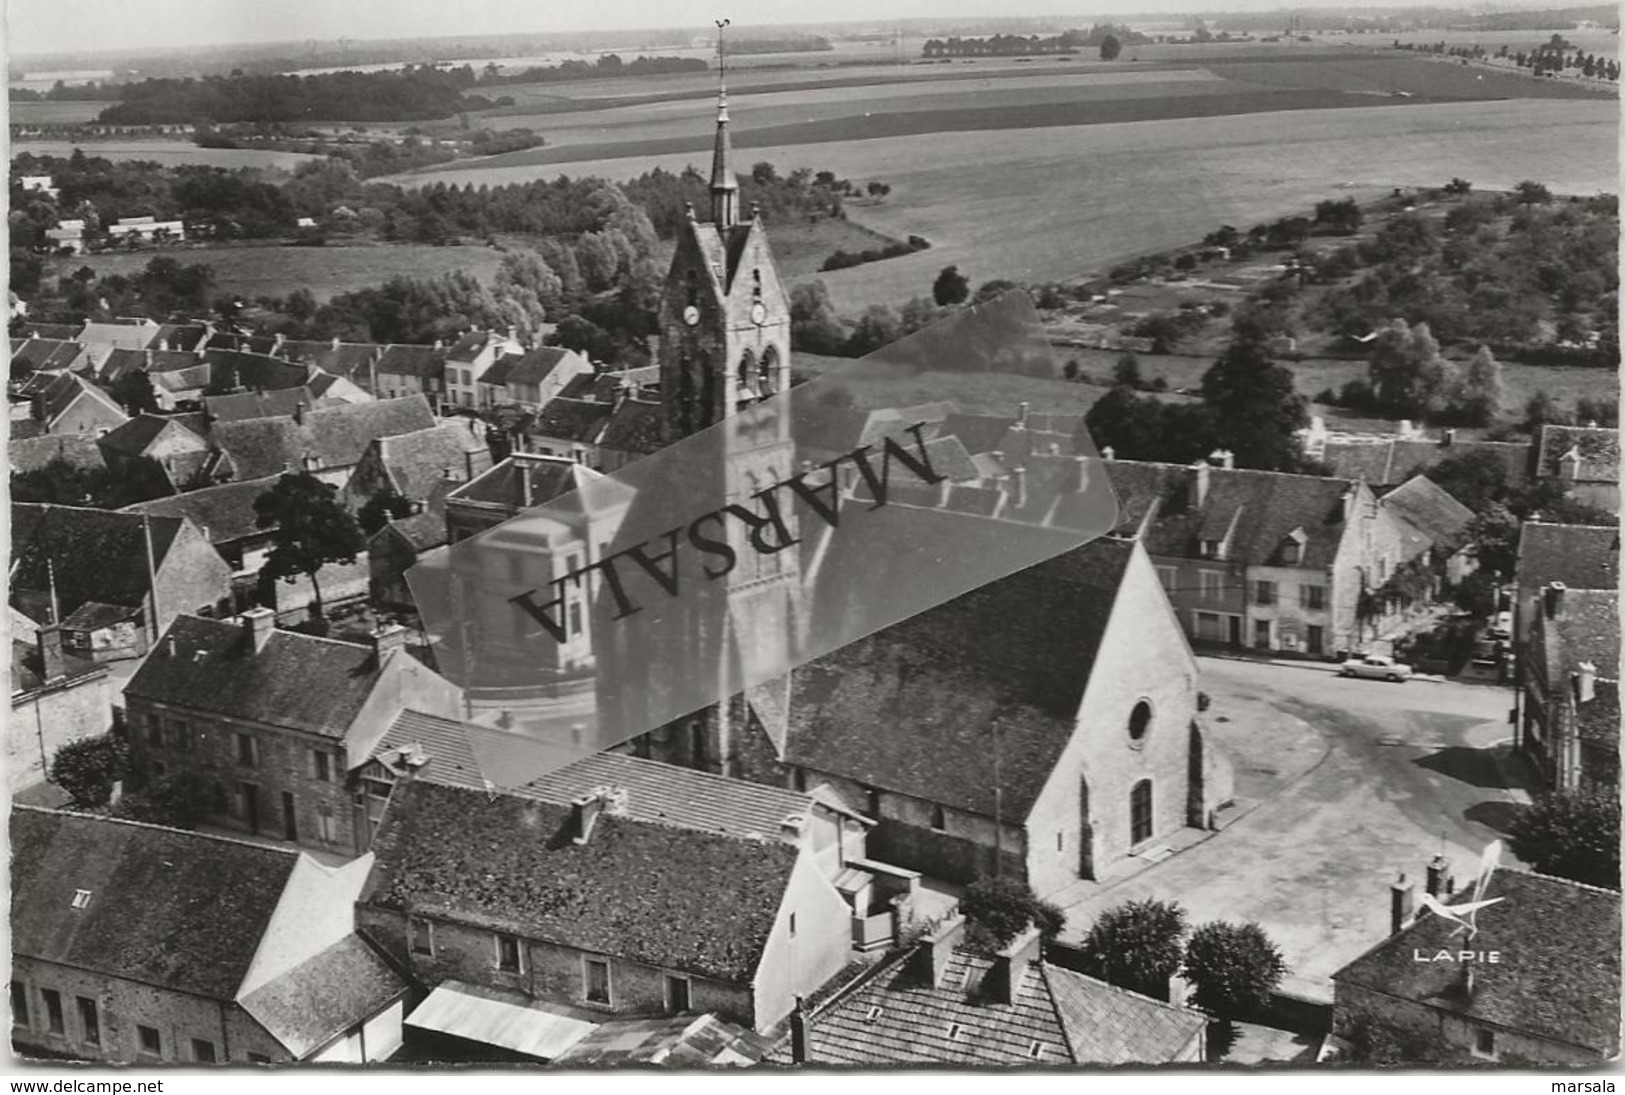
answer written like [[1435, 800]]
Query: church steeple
[[724, 184]]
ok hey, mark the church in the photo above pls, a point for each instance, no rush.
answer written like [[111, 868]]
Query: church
[[1044, 726]]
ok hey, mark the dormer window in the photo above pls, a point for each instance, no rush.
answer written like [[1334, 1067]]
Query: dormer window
[[81, 899], [1213, 549]]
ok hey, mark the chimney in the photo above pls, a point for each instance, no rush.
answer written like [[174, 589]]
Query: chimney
[[1438, 881], [1405, 429], [937, 948], [1401, 903], [387, 638], [1227, 459], [1021, 417], [149, 359], [1108, 453], [53, 665], [586, 809], [1199, 477], [299, 412], [798, 1032], [1003, 981], [258, 623], [1448, 438], [794, 826], [1585, 683], [335, 342], [1569, 464], [1020, 476], [1554, 600], [513, 333]]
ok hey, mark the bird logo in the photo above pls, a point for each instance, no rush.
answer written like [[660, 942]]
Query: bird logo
[[1466, 913]]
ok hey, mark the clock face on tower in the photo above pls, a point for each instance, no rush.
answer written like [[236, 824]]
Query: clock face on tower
[[758, 313], [691, 315]]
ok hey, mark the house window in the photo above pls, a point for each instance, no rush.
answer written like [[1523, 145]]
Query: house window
[[1484, 1043], [575, 618], [151, 1043], [180, 736], [939, 821], [247, 753], [155, 731], [159, 768], [19, 1004], [90, 1021], [1211, 584], [1264, 592], [1168, 576], [873, 804], [792, 925], [326, 825], [798, 779], [322, 766], [422, 937], [507, 954], [1312, 596], [53, 1011], [203, 1050], [1139, 803], [1139, 721], [1292, 554], [596, 976], [677, 994]]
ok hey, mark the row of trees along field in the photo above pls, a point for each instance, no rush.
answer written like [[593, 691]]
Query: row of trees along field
[[1556, 55], [410, 94], [1016, 45]]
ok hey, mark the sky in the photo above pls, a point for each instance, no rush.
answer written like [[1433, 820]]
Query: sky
[[43, 26]]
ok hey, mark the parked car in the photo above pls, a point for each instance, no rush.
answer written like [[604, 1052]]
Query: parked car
[[1377, 666]]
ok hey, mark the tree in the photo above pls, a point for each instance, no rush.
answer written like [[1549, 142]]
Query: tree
[[383, 507], [310, 530], [1408, 374], [996, 910], [879, 326], [179, 800], [1137, 945], [88, 768], [1127, 372], [1532, 193], [1476, 594], [1478, 400], [1255, 406], [951, 287], [1570, 834], [134, 392], [1233, 967], [1110, 47], [1540, 410]]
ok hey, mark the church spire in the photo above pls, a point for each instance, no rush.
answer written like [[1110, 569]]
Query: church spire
[[724, 185]]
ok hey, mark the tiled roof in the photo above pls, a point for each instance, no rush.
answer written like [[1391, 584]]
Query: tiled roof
[[45, 353], [134, 437], [1384, 463], [1597, 448], [416, 461], [351, 360], [336, 436], [29, 453], [299, 681], [326, 994], [420, 532], [28, 665], [1561, 982], [261, 446], [663, 794], [68, 389], [908, 709], [1579, 556], [1586, 630], [182, 336], [1431, 510], [1257, 510], [535, 366], [225, 513], [604, 387], [496, 374], [65, 332], [1599, 716], [422, 362], [633, 428], [573, 420], [121, 361], [656, 894], [470, 345], [93, 616], [93, 554], [1108, 1025], [238, 370], [283, 401], [128, 335], [504, 485], [173, 909]]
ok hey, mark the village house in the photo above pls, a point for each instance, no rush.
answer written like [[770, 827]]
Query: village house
[[350, 361], [1570, 688], [1388, 459], [63, 557], [532, 378], [1584, 460], [104, 336], [276, 721], [29, 454], [396, 548], [633, 432], [177, 445], [403, 369], [608, 887], [1558, 947], [70, 404], [571, 428], [328, 442], [131, 230], [1431, 510], [68, 237], [612, 384], [225, 515], [139, 945], [259, 404], [1264, 559], [414, 465], [943, 1004], [518, 483], [56, 697], [469, 357], [1578, 556], [47, 355], [120, 363]]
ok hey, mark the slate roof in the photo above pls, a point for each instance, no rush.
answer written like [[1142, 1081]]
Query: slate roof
[[657, 793], [633, 428], [1562, 982], [336, 436], [174, 909], [1256, 509], [326, 994], [1431, 510], [496, 374], [1385, 463], [96, 555], [233, 408], [1596, 446], [573, 420], [535, 366], [908, 709], [403, 359], [30, 453], [45, 353], [416, 461], [469, 346], [121, 361], [1113, 1026], [67, 389], [299, 681], [1579, 556], [655, 894], [504, 485], [134, 437], [225, 513], [1586, 630]]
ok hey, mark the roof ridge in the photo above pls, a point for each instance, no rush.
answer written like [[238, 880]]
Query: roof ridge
[[291, 853], [1527, 873]]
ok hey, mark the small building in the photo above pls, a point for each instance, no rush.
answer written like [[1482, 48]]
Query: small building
[[57, 697], [469, 357], [404, 370], [1541, 986], [1577, 556], [177, 445], [104, 633], [396, 548], [130, 230], [1584, 460], [225, 515], [120, 334], [39, 184], [68, 237], [517, 483], [70, 404], [531, 379], [1430, 510], [140, 945], [571, 428]]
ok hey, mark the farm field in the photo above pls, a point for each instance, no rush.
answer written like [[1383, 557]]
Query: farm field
[[54, 113], [167, 152], [277, 271]]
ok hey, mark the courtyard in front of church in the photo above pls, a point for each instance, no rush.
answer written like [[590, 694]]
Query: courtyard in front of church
[[1340, 786]]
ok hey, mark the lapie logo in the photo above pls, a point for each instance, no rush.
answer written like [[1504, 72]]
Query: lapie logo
[[1465, 915]]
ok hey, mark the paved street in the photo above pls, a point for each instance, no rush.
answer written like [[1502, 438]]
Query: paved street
[[1351, 782]]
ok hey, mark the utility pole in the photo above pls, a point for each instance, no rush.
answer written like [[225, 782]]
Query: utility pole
[[152, 584], [998, 804]]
